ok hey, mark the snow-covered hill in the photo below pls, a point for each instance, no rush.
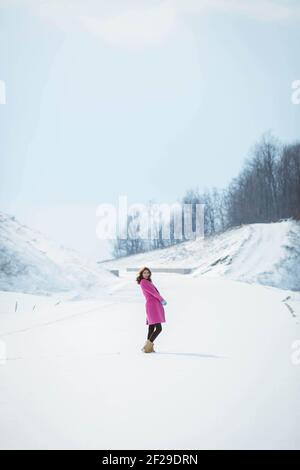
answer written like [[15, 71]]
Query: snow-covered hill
[[32, 263], [261, 253], [226, 363]]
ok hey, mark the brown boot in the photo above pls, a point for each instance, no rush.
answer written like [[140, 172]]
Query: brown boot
[[148, 348]]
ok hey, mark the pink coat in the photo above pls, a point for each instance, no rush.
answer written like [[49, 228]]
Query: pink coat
[[154, 308]]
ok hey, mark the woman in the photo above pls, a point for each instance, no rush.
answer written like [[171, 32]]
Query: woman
[[154, 308]]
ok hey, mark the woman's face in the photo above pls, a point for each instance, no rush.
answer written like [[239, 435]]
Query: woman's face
[[146, 274]]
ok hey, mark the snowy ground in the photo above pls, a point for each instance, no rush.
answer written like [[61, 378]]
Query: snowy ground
[[222, 377]]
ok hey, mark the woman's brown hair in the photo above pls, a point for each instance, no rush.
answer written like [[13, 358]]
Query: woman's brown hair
[[140, 274]]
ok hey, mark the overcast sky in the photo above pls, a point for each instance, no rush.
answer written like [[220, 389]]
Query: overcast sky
[[139, 98]]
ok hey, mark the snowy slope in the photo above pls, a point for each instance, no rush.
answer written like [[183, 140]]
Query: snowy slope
[[225, 374], [32, 263], [262, 253], [270, 255]]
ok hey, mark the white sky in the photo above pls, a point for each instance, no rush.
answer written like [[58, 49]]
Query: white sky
[[139, 98]]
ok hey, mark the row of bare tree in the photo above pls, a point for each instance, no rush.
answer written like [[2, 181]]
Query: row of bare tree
[[267, 189]]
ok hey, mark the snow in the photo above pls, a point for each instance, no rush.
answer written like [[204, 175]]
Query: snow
[[32, 263], [262, 256], [225, 374], [267, 254], [222, 377]]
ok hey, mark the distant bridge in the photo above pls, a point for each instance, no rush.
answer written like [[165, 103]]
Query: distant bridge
[[157, 270]]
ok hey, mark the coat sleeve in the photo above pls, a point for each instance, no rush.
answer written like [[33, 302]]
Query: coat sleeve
[[148, 287]]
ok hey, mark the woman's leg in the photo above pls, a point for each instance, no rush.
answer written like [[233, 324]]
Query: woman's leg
[[150, 330], [154, 334]]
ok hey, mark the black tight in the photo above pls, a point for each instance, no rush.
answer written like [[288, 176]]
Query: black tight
[[154, 331]]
